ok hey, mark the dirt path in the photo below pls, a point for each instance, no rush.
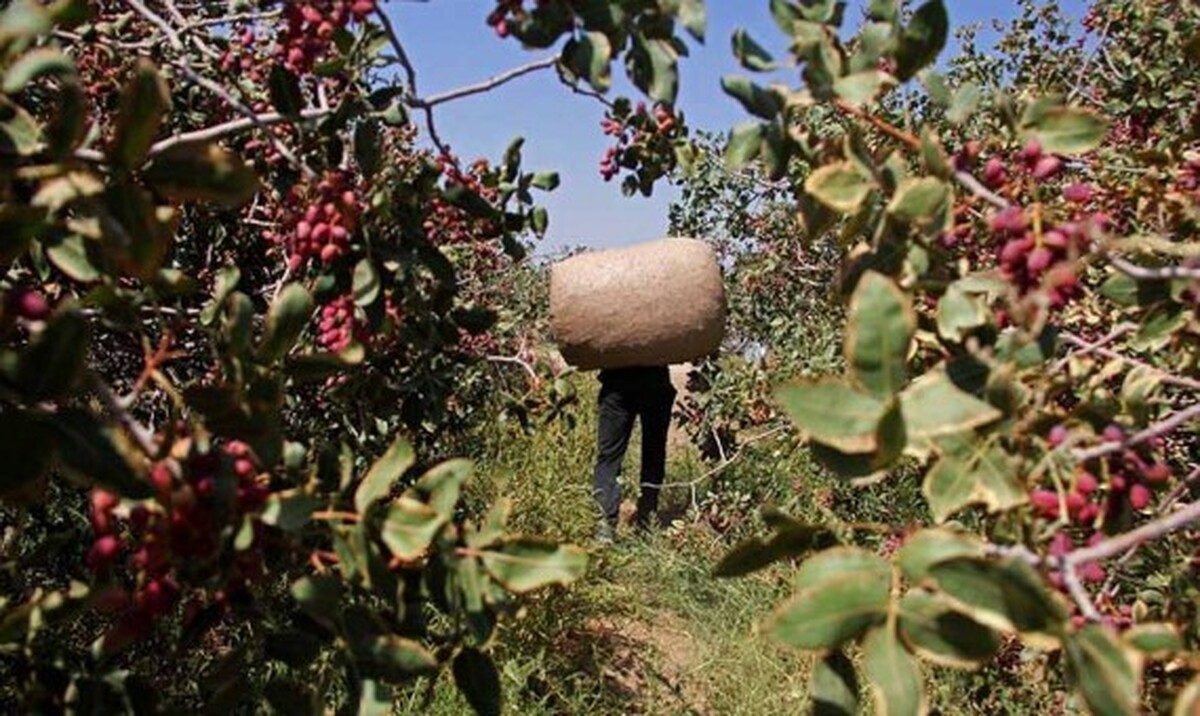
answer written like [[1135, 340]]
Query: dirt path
[[647, 663]]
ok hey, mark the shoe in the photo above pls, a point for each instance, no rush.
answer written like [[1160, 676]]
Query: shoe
[[604, 534]]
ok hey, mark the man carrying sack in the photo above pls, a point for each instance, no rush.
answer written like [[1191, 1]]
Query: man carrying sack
[[631, 313], [644, 393]]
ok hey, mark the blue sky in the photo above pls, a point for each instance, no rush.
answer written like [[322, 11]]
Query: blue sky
[[451, 46]]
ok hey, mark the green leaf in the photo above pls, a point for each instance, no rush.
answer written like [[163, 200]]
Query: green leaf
[[884, 10], [835, 414], [409, 527], [933, 629], [693, 14], [54, 362], [225, 284], [842, 562], [491, 529], [1128, 292], [833, 686], [368, 146], [880, 328], [145, 102], [744, 145], [524, 564], [23, 19], [284, 88], [23, 133], [286, 320], [477, 678], [831, 613], [1069, 130], [750, 54], [400, 656], [546, 181], [933, 546], [289, 511], [652, 65], [923, 201], [539, 220], [1139, 390], [590, 57], [893, 674], [319, 597], [841, 187], [1156, 640], [366, 283], [922, 41], [1188, 701], [987, 476], [1007, 594], [1104, 672], [202, 171], [760, 102], [443, 484], [755, 553], [935, 407], [384, 474], [959, 314], [966, 100], [70, 256], [30, 447], [875, 41], [785, 15], [862, 88], [36, 63]]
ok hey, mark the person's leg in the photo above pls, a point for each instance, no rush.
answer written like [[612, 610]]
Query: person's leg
[[655, 414], [612, 439]]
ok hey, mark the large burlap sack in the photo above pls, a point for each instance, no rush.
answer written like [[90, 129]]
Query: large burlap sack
[[656, 303]]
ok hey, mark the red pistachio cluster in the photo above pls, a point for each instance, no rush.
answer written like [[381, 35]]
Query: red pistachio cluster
[[183, 538], [339, 326], [642, 135], [309, 26], [506, 11], [1127, 480], [1034, 255], [446, 224], [317, 222]]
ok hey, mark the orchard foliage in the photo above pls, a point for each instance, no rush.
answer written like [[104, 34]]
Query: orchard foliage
[[247, 283], [239, 299], [1019, 257]]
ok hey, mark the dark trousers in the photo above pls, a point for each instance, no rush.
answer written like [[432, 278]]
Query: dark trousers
[[626, 394]]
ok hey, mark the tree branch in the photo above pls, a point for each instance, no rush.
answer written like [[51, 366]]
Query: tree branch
[[1146, 533], [1161, 273], [1164, 427], [485, 86], [1099, 349]]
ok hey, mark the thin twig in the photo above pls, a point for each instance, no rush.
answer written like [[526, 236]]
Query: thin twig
[[976, 187], [249, 113], [140, 434], [1075, 587], [1100, 349], [1163, 427], [1086, 348], [516, 361], [158, 21], [401, 56], [1159, 273], [1146, 533], [485, 86]]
